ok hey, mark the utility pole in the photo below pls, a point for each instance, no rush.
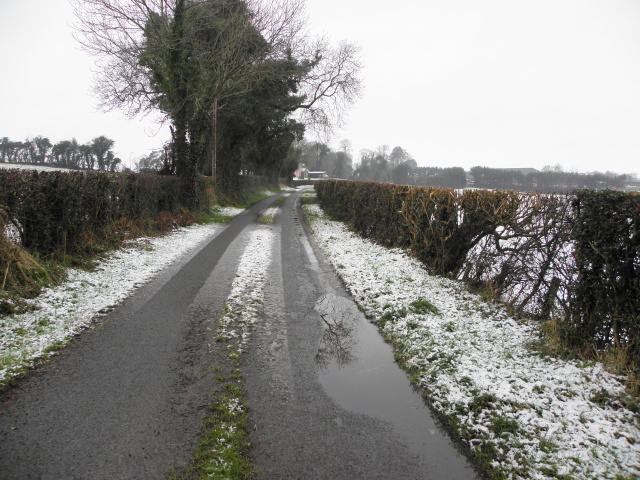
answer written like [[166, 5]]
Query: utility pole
[[215, 140]]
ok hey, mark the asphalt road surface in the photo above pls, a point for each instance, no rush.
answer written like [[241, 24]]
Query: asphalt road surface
[[126, 399]]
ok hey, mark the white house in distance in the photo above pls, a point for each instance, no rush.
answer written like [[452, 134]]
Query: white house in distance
[[303, 173]]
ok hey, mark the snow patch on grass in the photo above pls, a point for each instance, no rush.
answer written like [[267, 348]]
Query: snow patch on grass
[[243, 307], [229, 211], [521, 414], [65, 310], [269, 215]]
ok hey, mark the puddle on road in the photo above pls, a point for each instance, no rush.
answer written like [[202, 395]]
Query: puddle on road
[[358, 371]]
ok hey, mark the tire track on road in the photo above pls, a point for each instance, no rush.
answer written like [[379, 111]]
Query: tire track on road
[[124, 399]]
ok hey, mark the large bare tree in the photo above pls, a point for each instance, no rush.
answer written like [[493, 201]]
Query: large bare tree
[[188, 58], [117, 33]]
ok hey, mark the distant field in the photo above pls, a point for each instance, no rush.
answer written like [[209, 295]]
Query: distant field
[[41, 168]]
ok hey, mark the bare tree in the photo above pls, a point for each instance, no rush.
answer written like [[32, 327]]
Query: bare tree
[[114, 32], [117, 32], [189, 58], [331, 86]]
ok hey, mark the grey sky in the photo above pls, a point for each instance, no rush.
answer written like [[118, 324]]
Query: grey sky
[[513, 83], [45, 83]]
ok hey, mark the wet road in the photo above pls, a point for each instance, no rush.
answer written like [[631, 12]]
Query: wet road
[[125, 400], [327, 399]]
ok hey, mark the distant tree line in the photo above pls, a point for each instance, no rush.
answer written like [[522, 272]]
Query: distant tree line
[[94, 155], [385, 165], [381, 165], [550, 179], [398, 166], [450, 177]]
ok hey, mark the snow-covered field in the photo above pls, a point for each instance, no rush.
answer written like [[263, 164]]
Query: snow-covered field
[[40, 168], [533, 416]]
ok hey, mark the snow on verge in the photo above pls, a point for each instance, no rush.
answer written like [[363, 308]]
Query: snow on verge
[[523, 415], [229, 211], [66, 309]]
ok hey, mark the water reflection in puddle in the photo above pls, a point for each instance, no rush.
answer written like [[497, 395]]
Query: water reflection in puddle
[[359, 373], [338, 339]]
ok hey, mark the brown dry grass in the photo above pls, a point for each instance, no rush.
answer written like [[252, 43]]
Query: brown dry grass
[[617, 360]]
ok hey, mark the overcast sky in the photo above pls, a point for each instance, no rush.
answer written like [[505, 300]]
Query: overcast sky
[[499, 83]]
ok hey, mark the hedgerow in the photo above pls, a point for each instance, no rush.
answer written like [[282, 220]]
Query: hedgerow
[[606, 300], [70, 212], [56, 216], [574, 257]]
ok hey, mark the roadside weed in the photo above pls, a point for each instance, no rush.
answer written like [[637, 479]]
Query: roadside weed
[[423, 306], [223, 448]]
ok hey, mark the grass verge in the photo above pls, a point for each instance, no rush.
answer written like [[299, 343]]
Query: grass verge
[[222, 452], [616, 360]]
